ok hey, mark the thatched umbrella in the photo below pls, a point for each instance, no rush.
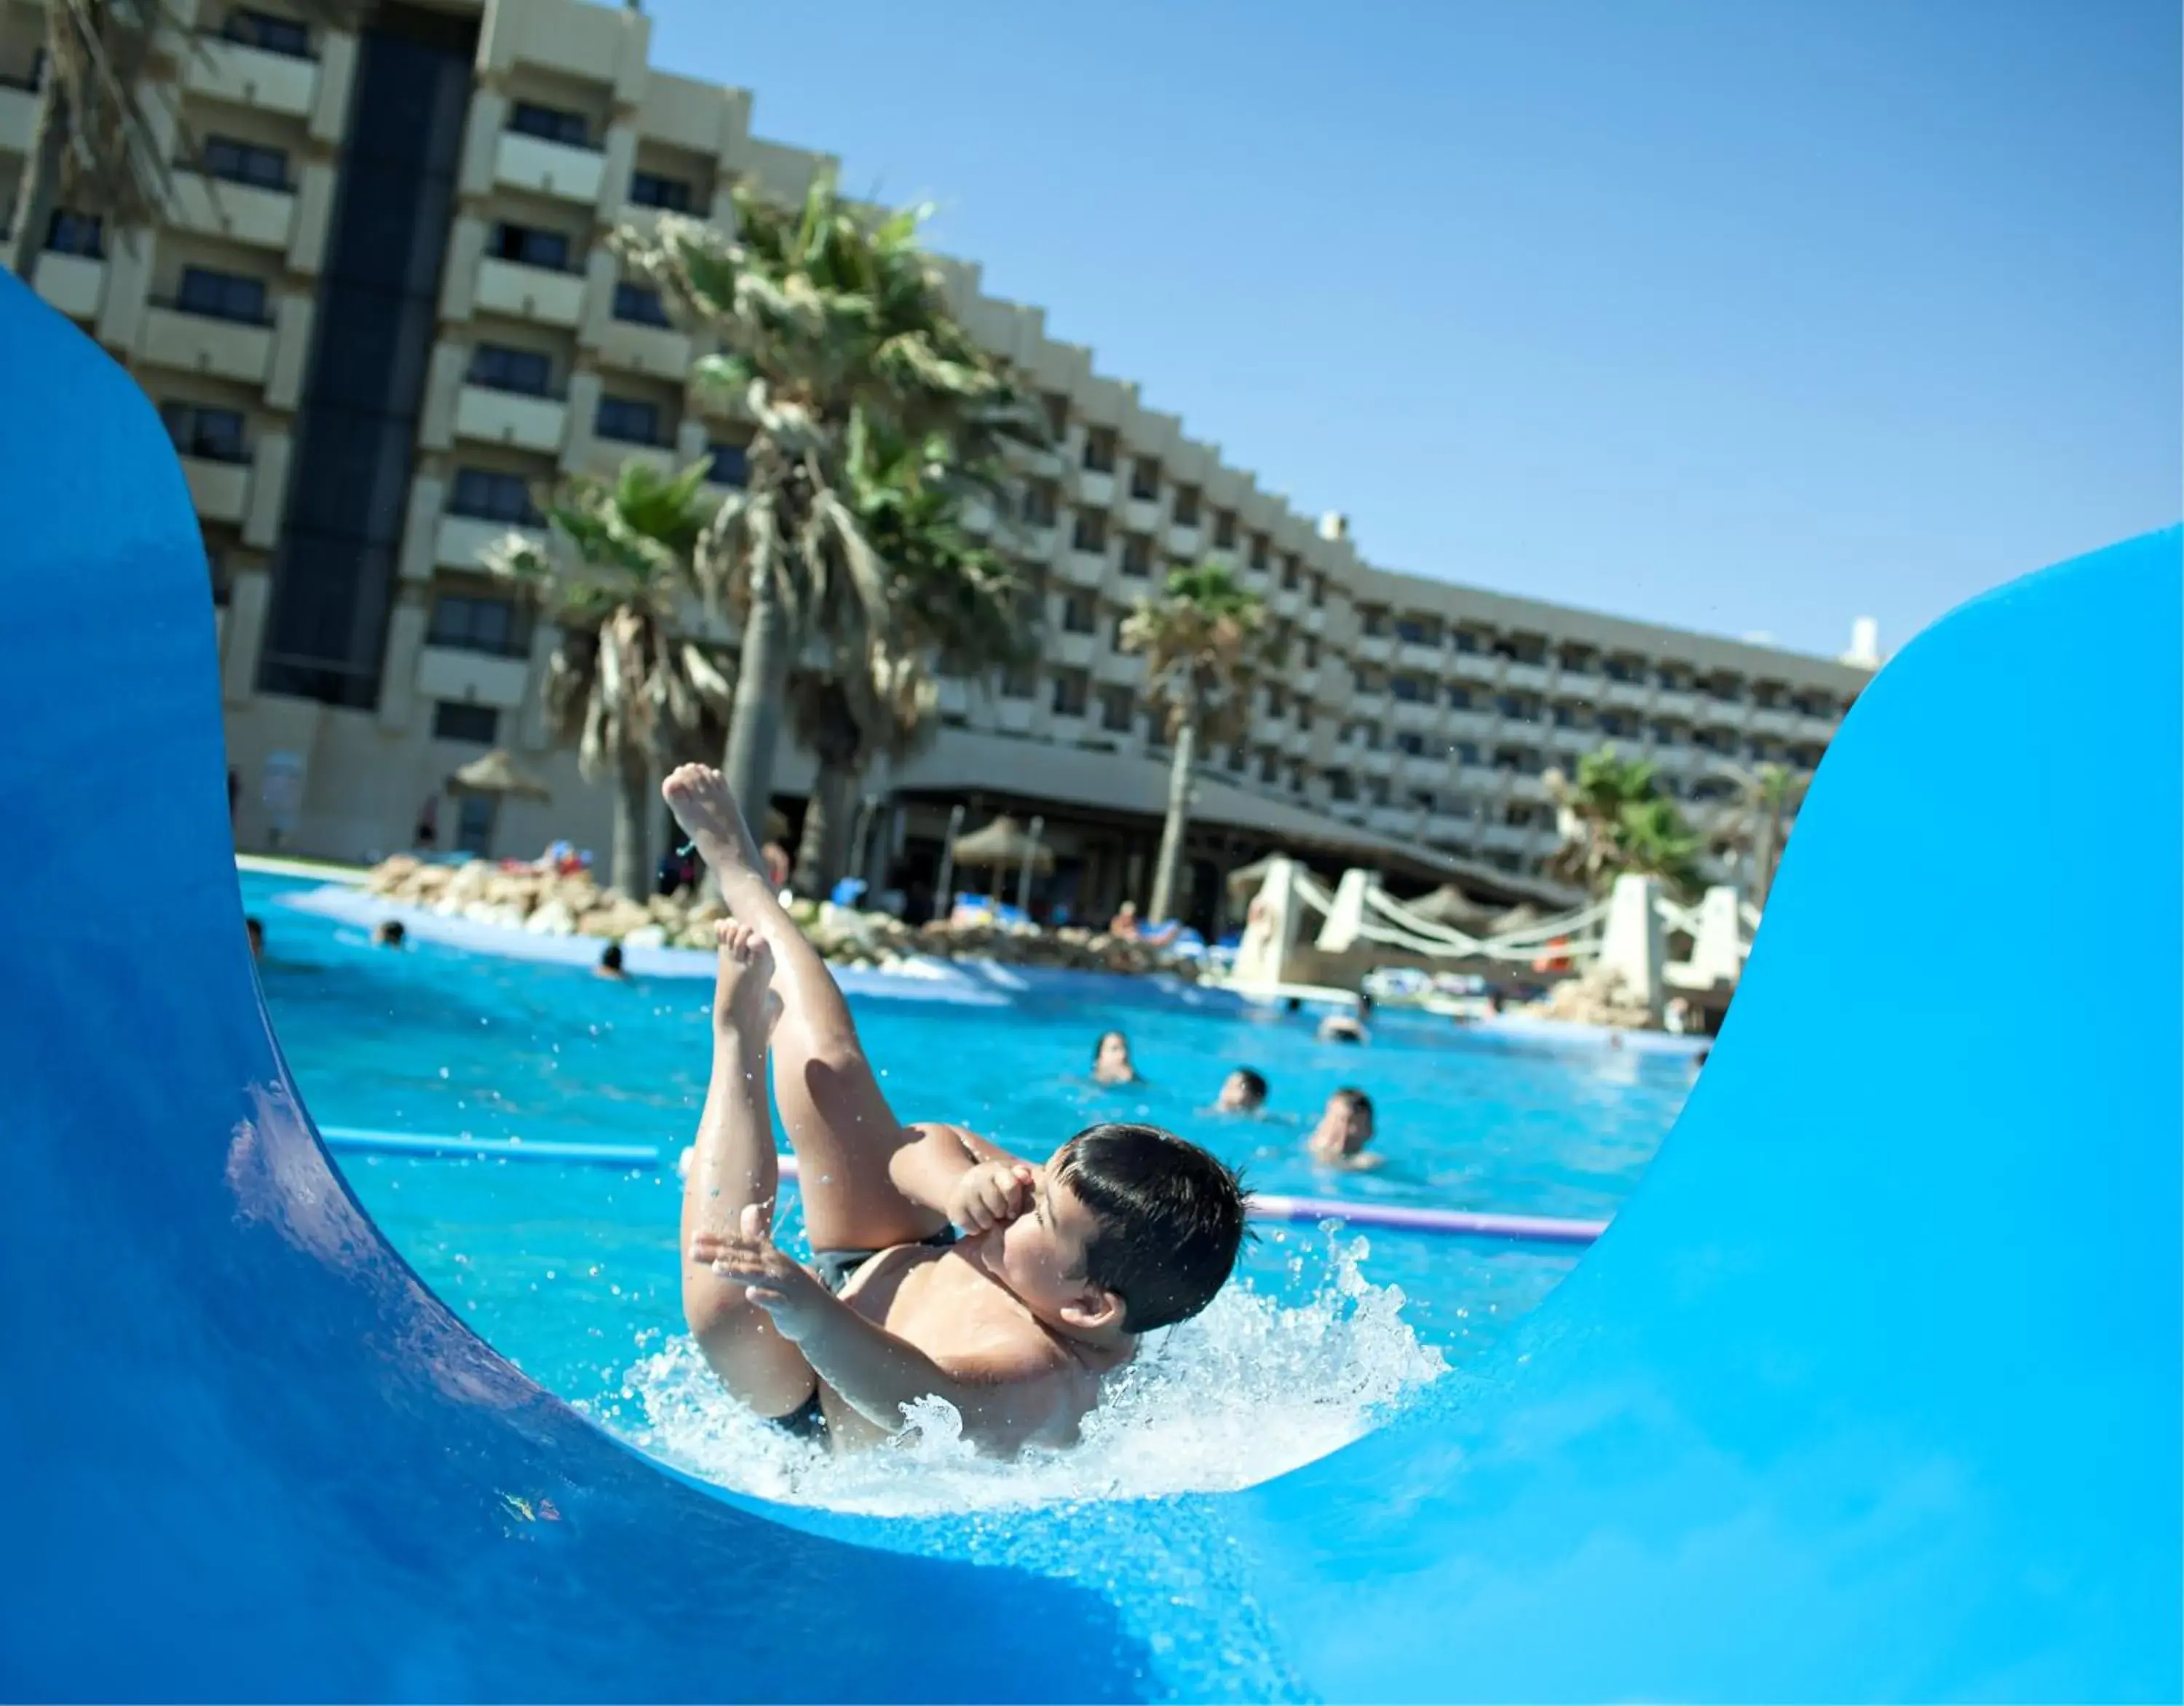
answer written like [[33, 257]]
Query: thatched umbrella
[[1001, 845], [498, 775], [1450, 905], [1522, 916]]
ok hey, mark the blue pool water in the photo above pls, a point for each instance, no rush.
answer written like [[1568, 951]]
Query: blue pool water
[[569, 1270]]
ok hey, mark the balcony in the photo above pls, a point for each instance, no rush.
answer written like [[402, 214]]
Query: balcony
[[219, 489], [1085, 568], [472, 678], [1289, 602], [1506, 838], [1141, 515], [1399, 821], [1013, 716], [1482, 668], [1072, 650], [1380, 761], [659, 350], [1304, 683], [1120, 669], [240, 213], [460, 540], [19, 119], [1185, 541], [200, 343], [1423, 769], [533, 294], [1097, 491], [1375, 648], [247, 76], [74, 284], [549, 168], [1416, 654], [1631, 695], [1807, 727], [1533, 676], [511, 417], [1781, 723], [1680, 704], [1471, 726]]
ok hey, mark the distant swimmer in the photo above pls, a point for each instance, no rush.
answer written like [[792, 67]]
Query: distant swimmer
[[389, 933], [1243, 1091], [1344, 1128], [1110, 1060], [944, 1266], [1348, 1027], [253, 929], [609, 965]]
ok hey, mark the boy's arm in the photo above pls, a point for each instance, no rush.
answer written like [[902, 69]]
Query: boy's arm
[[927, 1168], [1007, 1396]]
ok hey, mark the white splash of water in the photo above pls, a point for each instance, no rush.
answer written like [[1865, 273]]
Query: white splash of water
[[1248, 1391]]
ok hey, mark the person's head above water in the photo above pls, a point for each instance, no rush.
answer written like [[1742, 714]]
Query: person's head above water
[[255, 929], [1110, 1059], [1243, 1091], [609, 963], [1346, 1124], [389, 933], [1130, 1229]]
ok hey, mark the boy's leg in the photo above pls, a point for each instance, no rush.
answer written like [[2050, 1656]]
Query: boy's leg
[[840, 1124], [734, 1168]]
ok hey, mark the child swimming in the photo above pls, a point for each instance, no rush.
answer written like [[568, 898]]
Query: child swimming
[[1060, 1267]]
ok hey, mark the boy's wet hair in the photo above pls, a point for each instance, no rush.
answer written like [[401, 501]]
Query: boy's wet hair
[[1356, 1098], [610, 956], [1255, 1084], [1100, 1042], [1171, 1219]]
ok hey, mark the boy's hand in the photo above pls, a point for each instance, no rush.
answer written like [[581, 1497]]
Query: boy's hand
[[777, 1283], [991, 1194]]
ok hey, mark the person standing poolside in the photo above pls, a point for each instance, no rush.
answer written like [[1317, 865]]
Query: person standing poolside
[[1344, 1128], [1060, 1267]]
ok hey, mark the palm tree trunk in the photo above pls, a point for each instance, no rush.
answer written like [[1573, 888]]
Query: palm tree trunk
[[1770, 852], [822, 856], [1169, 868], [754, 724], [39, 193], [632, 860]]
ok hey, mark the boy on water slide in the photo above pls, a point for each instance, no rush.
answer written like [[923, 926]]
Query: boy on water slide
[[1059, 1268]]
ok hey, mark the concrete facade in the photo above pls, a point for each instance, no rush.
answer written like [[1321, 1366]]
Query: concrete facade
[[1411, 726]]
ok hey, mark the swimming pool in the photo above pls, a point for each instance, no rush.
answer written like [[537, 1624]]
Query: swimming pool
[[569, 1270]]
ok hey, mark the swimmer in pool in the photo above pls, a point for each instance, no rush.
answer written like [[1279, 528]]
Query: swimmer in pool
[[1060, 1269], [1344, 1128], [1110, 1060], [1243, 1091]]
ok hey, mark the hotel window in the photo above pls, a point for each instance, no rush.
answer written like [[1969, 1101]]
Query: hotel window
[[1100, 450], [1224, 529], [1069, 695], [639, 305], [653, 190], [550, 124], [1091, 532], [529, 247], [222, 295], [245, 162], [490, 496], [1144, 479], [215, 435], [1186, 506], [497, 368], [1137, 555], [474, 724], [626, 420]]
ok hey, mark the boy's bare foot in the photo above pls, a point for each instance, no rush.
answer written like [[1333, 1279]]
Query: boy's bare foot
[[699, 796], [743, 1001]]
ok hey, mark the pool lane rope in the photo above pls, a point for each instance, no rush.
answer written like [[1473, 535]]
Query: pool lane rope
[[1265, 1206]]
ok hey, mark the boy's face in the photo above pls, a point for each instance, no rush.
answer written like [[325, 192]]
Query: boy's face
[[1042, 1254]]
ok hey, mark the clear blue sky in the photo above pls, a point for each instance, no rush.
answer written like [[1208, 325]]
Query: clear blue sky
[[1750, 316]]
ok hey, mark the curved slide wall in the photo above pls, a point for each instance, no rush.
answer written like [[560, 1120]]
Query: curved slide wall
[[1873, 1391]]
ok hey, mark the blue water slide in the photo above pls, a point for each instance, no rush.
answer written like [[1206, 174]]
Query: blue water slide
[[1872, 1391]]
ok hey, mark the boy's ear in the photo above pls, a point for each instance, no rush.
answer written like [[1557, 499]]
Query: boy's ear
[[1094, 1310]]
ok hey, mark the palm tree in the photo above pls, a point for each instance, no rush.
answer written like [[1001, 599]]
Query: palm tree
[[622, 681], [1757, 821], [1613, 819], [828, 314], [94, 143], [951, 608], [1205, 640]]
